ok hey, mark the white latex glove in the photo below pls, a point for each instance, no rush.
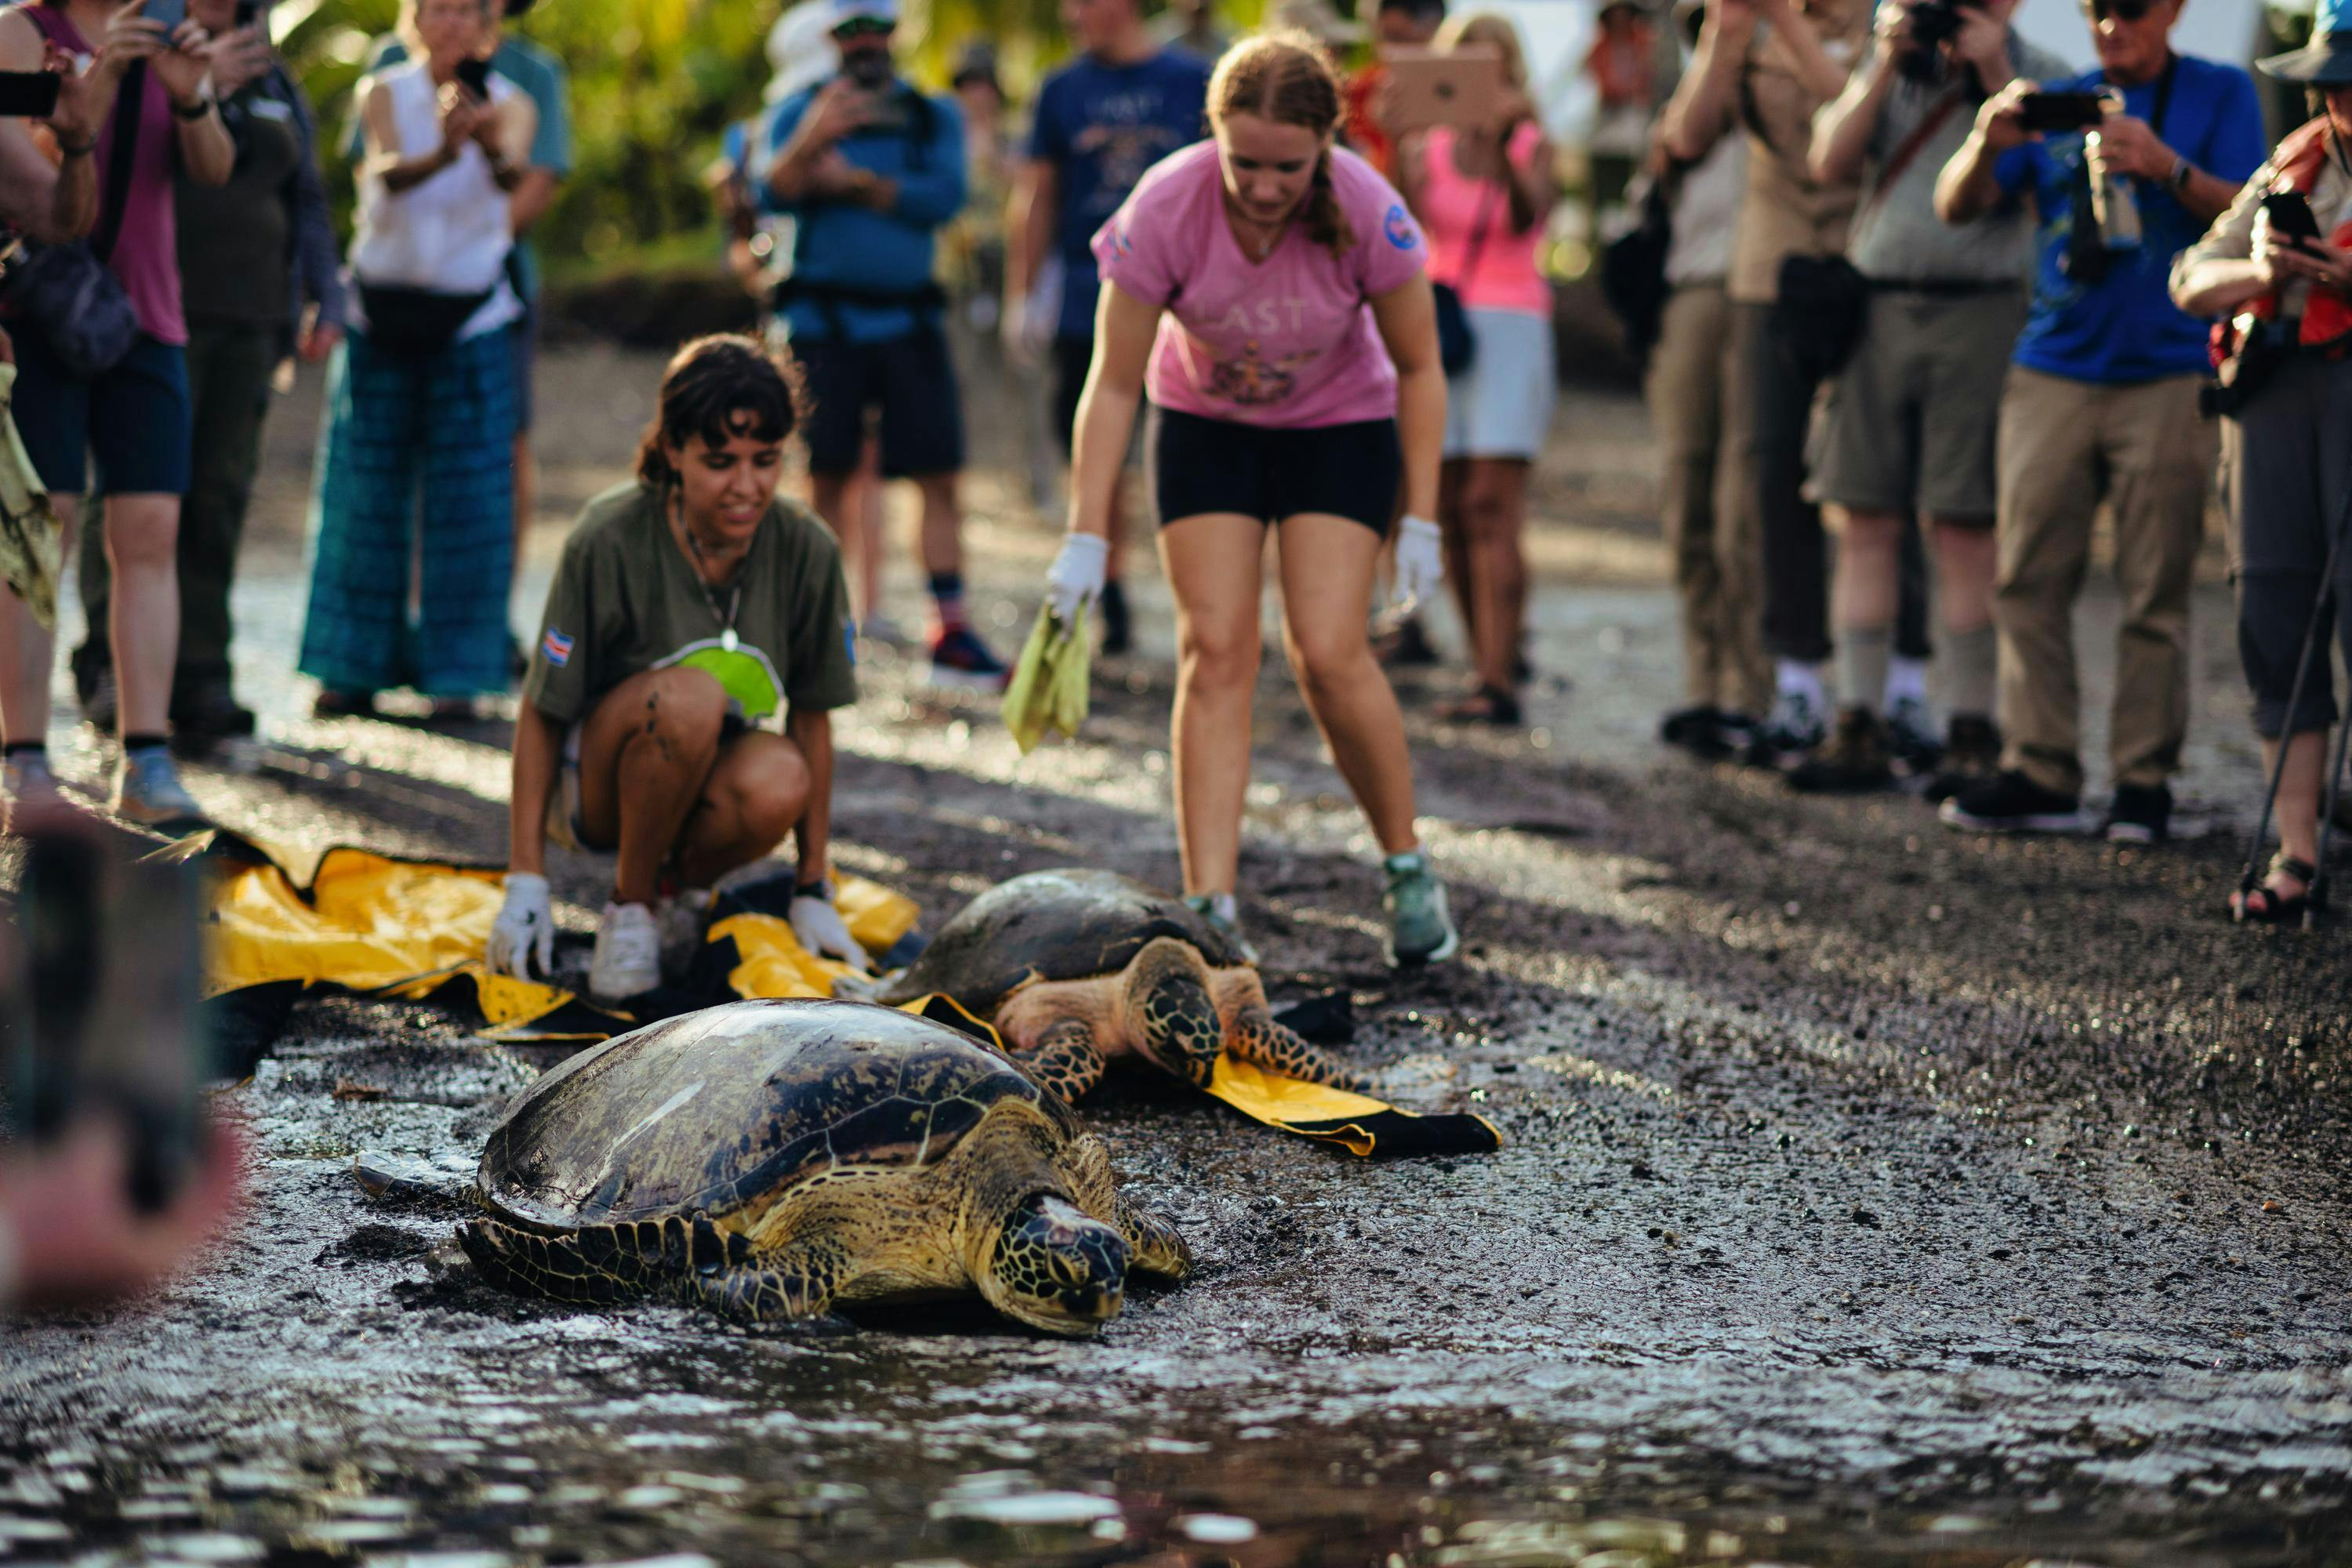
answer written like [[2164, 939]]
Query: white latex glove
[[1077, 574], [819, 927], [525, 928], [1420, 562]]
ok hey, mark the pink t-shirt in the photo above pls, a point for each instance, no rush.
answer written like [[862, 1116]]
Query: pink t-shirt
[[1455, 208], [1287, 343]]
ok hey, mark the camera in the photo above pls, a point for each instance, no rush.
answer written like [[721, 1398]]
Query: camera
[[1934, 24]]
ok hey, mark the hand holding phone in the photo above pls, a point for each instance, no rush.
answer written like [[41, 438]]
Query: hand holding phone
[[28, 95], [476, 75], [2062, 112], [2292, 219]]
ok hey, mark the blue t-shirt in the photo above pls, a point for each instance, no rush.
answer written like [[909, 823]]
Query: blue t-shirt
[[920, 146], [1101, 126], [2126, 327], [540, 76]]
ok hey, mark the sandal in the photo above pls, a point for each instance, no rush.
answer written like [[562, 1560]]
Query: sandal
[[1487, 705], [2277, 908]]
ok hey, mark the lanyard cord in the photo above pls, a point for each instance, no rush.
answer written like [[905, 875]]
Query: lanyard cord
[[726, 619]]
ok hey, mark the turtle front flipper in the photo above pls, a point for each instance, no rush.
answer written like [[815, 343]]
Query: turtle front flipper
[[1170, 1011], [1154, 1245], [1064, 1059], [1258, 1039]]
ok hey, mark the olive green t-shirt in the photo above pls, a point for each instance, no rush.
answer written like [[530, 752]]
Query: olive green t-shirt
[[627, 600]]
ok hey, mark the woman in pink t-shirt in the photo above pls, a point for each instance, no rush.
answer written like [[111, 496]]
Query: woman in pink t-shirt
[[1269, 291], [1481, 196]]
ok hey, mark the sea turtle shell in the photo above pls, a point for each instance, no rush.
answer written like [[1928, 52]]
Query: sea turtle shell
[[1070, 924], [735, 1105]]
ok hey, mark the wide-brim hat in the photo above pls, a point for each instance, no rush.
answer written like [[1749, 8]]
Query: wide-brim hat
[[2326, 61]]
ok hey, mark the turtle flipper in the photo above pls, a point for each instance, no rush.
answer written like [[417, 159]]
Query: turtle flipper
[[601, 1263], [1153, 1243], [1170, 1011], [1256, 1037], [1064, 1059]]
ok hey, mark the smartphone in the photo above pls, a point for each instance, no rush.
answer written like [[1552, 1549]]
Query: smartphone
[[171, 13], [475, 75], [28, 95], [112, 967], [2291, 216], [248, 12], [1456, 87], [2061, 111]]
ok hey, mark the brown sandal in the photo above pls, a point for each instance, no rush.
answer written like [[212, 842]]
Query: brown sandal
[[2276, 907], [1487, 705]]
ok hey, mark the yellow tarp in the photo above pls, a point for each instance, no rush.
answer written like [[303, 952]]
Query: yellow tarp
[[1048, 689], [1357, 1122]]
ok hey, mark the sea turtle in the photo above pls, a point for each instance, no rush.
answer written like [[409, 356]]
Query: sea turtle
[[1075, 967], [773, 1158]]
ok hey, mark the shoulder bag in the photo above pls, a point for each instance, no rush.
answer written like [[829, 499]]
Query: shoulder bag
[[1457, 349], [67, 292]]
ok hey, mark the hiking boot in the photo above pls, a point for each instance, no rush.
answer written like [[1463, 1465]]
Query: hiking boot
[[1420, 929], [1971, 757], [1218, 910], [147, 789], [32, 789], [959, 659], [2140, 814], [1854, 758], [1789, 732], [1697, 729], [1118, 631], [628, 959], [2011, 802], [1911, 739]]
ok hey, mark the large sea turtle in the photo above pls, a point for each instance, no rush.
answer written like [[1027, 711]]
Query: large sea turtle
[[1076, 967], [773, 1158]]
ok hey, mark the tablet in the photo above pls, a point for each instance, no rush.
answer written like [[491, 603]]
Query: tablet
[[1428, 87]]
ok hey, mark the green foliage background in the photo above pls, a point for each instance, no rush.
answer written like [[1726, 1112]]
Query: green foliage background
[[654, 85]]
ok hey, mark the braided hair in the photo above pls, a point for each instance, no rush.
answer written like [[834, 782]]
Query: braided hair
[[1287, 77]]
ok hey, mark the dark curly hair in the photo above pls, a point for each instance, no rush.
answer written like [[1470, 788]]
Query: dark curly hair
[[1286, 77], [719, 387]]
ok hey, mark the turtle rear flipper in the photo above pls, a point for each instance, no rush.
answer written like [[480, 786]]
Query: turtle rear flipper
[[601, 1263]]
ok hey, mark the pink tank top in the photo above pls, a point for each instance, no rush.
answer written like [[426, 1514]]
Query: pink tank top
[[146, 253], [1454, 209]]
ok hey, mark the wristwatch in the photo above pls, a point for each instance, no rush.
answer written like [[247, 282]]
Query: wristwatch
[[204, 104], [2179, 180]]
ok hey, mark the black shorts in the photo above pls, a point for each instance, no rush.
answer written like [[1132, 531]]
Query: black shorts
[[1073, 357], [1199, 465], [910, 380]]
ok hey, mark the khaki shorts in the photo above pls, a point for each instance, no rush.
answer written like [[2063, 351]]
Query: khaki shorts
[[1911, 424]]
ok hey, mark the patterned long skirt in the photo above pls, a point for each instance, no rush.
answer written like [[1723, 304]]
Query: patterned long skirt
[[408, 439]]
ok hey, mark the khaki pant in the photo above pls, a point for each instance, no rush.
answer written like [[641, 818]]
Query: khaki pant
[[2064, 445], [1709, 527]]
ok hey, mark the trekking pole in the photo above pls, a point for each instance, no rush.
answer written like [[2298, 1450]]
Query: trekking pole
[[2315, 899], [2250, 877]]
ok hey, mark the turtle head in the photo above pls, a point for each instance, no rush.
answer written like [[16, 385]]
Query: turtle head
[[1054, 1266]]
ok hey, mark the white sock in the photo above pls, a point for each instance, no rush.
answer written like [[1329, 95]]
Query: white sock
[[1862, 665], [1907, 679], [1795, 677]]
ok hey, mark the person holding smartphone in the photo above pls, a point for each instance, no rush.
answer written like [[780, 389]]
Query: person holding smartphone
[[258, 265], [2101, 402], [2283, 256], [1270, 290], [153, 85], [421, 391], [48, 145]]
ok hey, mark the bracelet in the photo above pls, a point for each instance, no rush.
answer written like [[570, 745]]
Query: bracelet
[[204, 106], [2182, 172], [72, 150]]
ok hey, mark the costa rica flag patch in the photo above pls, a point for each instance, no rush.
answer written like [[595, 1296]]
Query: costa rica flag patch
[[556, 647]]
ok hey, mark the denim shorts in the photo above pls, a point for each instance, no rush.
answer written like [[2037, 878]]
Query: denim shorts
[[134, 419]]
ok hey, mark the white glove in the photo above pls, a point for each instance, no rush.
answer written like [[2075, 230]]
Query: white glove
[[819, 927], [1420, 562], [1077, 574], [525, 928]]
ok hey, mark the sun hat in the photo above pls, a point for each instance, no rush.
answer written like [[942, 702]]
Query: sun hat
[[2326, 61], [848, 11], [1318, 18], [800, 50]]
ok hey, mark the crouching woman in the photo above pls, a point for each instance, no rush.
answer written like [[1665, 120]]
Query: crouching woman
[[2286, 287], [692, 609]]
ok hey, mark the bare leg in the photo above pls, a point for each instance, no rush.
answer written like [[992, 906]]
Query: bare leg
[[1864, 593], [943, 524], [142, 535], [755, 796], [646, 756], [1494, 511], [1965, 559], [2298, 811], [1327, 576], [27, 653], [1212, 564], [1455, 529]]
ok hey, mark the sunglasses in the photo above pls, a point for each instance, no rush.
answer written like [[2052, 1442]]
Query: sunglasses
[[2121, 10], [865, 28]]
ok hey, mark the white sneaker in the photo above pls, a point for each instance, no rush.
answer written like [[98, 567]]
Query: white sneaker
[[627, 960], [147, 788], [31, 786]]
